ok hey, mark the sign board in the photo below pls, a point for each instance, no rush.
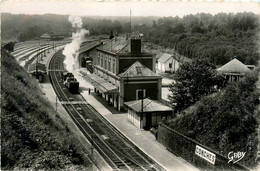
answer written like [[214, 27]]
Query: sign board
[[205, 154]]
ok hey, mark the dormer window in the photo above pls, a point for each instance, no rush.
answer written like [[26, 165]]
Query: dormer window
[[139, 70]]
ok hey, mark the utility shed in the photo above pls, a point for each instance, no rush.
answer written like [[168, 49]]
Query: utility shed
[[167, 63], [152, 113], [38, 70]]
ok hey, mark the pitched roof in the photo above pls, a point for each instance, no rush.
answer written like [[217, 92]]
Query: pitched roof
[[138, 70], [45, 36], [148, 106], [165, 57], [116, 45], [234, 66]]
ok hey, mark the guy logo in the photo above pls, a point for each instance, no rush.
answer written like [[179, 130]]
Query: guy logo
[[235, 157]]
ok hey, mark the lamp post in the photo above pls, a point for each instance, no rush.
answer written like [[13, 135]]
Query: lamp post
[[48, 46]]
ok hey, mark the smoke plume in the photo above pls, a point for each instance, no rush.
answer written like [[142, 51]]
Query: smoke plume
[[71, 50]]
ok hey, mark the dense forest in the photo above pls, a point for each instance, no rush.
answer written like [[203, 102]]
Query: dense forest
[[225, 121], [33, 136], [26, 27], [219, 37]]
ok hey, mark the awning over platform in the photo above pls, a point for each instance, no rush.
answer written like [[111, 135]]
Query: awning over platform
[[101, 84]]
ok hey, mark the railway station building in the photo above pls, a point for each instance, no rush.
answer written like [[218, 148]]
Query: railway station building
[[122, 72]]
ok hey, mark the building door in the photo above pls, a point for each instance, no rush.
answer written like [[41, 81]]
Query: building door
[[148, 121]]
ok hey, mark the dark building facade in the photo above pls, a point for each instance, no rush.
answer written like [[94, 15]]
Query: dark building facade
[[121, 71]]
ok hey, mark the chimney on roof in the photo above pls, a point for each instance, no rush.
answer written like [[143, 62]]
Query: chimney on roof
[[135, 46]]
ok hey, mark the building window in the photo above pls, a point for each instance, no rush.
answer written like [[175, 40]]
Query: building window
[[102, 62], [170, 65], [105, 63], [113, 67], [140, 93], [109, 65], [98, 62], [139, 70]]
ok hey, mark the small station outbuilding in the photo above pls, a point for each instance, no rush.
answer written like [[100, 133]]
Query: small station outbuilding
[[234, 70], [45, 36], [37, 70], [147, 113]]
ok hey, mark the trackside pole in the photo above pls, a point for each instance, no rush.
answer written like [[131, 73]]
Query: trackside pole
[[56, 103]]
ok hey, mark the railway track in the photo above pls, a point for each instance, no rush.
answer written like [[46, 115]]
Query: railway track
[[117, 150]]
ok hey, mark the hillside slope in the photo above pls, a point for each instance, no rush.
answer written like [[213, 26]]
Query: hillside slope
[[30, 137], [225, 121]]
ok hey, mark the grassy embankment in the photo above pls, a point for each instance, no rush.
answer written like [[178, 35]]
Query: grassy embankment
[[31, 137], [225, 121]]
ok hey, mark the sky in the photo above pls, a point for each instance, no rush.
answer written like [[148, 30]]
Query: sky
[[119, 8]]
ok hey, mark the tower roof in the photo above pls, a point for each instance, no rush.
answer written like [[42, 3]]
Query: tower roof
[[234, 66]]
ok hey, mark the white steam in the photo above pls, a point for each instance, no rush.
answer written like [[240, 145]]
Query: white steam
[[75, 21], [71, 50]]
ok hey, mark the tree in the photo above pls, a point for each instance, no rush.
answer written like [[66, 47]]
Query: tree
[[192, 81]]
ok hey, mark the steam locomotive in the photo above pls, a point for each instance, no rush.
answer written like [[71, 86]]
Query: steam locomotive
[[70, 82]]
